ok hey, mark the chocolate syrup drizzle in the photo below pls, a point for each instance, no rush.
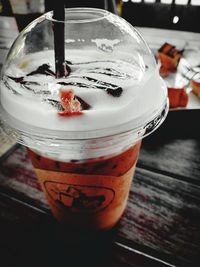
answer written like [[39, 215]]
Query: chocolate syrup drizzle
[[44, 70], [90, 83], [110, 88], [105, 71], [27, 84]]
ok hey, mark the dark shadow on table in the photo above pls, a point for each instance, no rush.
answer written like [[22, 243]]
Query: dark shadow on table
[[179, 124], [46, 243]]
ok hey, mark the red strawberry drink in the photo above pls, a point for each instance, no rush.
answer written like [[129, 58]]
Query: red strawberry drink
[[84, 129]]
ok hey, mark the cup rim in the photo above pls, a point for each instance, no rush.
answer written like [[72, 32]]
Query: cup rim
[[142, 130], [95, 13]]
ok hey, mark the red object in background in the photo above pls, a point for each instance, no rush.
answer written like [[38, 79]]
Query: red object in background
[[177, 97], [163, 71], [195, 87], [169, 58]]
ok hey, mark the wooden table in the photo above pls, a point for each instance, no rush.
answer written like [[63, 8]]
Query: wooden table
[[160, 227]]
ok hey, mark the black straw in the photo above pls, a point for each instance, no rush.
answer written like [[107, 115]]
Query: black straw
[[59, 38]]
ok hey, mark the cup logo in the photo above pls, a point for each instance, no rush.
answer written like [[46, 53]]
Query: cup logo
[[79, 198]]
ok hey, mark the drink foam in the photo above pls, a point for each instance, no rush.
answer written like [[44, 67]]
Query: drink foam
[[142, 91]]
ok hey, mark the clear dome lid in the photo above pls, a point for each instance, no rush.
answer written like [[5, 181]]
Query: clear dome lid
[[112, 85]]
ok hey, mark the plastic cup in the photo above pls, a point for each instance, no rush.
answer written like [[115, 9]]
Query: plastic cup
[[87, 195], [83, 131]]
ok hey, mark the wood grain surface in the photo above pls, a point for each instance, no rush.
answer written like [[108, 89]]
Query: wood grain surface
[[178, 158], [163, 214], [162, 218]]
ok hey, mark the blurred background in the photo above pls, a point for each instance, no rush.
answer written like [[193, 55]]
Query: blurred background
[[167, 14]]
